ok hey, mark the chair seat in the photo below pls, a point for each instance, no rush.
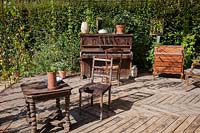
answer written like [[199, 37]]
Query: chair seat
[[97, 89], [194, 71]]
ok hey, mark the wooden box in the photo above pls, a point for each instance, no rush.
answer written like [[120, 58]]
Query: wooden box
[[168, 59]]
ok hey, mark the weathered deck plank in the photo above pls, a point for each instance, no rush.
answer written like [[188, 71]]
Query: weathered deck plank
[[140, 105], [147, 124], [197, 130], [193, 126], [127, 125], [164, 125], [185, 124], [175, 124]]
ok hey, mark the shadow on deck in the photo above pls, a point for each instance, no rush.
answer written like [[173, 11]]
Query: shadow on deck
[[162, 96]]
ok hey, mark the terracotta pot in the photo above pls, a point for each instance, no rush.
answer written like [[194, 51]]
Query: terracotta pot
[[62, 74], [120, 29], [51, 80]]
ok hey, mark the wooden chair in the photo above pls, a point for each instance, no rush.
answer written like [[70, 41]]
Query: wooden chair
[[193, 72], [117, 66], [100, 68]]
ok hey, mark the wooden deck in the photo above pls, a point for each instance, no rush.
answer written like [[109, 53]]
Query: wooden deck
[[141, 105]]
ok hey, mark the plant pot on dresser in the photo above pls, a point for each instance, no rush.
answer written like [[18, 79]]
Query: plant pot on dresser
[[168, 59]]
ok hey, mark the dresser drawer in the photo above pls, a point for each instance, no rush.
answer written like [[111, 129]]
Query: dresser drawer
[[168, 69], [162, 58], [168, 64]]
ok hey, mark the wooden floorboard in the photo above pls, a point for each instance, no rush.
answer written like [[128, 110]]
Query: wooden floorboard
[[197, 130], [164, 124], [185, 124], [147, 124], [127, 125], [142, 105], [156, 124], [193, 126], [137, 124], [175, 124]]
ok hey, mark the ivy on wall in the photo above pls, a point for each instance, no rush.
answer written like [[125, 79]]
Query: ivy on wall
[[25, 25]]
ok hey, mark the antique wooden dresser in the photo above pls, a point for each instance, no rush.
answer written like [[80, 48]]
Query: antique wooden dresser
[[168, 59], [96, 44]]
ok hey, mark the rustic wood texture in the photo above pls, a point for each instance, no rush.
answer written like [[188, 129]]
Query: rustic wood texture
[[37, 91], [142, 105], [95, 88], [168, 59], [96, 44], [193, 72]]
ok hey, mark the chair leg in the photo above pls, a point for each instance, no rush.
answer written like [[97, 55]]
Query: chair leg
[[186, 79], [154, 75], [182, 75], [101, 107], [91, 100], [28, 114], [186, 82], [109, 97], [118, 77], [80, 98]]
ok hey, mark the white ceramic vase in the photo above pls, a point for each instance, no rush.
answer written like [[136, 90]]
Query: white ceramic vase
[[84, 27]]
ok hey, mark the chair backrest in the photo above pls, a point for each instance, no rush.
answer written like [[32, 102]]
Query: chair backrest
[[195, 63], [102, 68], [195, 67], [114, 51]]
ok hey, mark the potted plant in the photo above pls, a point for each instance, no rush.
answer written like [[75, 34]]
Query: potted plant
[[62, 68], [46, 59], [119, 21], [63, 64]]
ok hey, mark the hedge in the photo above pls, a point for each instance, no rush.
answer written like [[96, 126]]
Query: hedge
[[26, 25]]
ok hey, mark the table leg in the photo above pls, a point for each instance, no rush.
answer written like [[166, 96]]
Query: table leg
[[58, 112], [33, 117], [67, 119], [28, 114]]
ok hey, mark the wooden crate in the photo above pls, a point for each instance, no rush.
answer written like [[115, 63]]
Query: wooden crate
[[168, 59]]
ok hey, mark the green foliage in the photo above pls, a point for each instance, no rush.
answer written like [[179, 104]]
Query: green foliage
[[119, 19], [47, 57], [157, 26], [188, 43], [64, 60], [107, 24], [150, 54], [90, 19], [27, 27]]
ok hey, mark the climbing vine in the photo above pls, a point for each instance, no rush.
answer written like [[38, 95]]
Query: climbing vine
[[26, 25]]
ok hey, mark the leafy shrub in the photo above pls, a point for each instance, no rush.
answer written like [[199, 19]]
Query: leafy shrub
[[150, 54], [188, 43], [25, 27]]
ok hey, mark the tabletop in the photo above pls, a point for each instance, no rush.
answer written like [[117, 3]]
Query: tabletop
[[40, 87]]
